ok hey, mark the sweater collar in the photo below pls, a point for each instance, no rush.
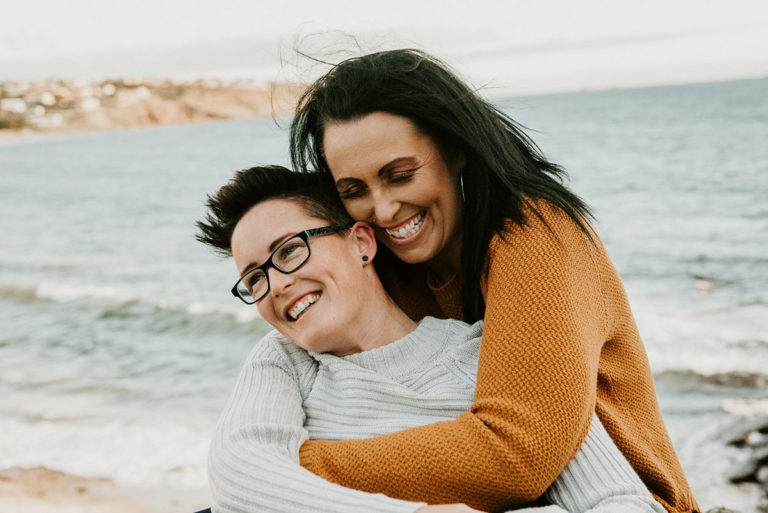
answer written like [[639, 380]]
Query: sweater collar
[[417, 349]]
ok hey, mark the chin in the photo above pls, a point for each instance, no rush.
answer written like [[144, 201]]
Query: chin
[[411, 256]]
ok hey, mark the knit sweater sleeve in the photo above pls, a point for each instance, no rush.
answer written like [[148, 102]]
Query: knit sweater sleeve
[[599, 479], [536, 385], [253, 461]]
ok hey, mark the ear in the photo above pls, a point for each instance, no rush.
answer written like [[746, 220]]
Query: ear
[[365, 241]]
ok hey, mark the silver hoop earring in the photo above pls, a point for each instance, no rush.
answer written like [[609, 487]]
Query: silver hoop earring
[[461, 185]]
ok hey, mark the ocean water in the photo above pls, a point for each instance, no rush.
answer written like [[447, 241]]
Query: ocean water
[[119, 340]]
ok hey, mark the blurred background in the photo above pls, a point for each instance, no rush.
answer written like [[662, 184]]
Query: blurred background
[[119, 340]]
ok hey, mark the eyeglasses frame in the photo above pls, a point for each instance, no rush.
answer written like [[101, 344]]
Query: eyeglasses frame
[[304, 235]]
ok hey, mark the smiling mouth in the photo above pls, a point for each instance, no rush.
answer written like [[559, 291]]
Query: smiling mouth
[[410, 229], [303, 305]]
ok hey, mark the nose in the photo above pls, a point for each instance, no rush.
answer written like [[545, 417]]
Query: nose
[[385, 207], [279, 282]]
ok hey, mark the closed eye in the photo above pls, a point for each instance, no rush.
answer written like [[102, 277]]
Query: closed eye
[[351, 191], [402, 176]]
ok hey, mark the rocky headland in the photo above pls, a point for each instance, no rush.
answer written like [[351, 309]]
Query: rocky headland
[[82, 105]]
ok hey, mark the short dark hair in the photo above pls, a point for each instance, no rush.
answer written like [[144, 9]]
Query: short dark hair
[[312, 192], [505, 171]]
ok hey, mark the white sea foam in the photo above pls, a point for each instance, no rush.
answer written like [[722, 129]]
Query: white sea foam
[[746, 407], [133, 453], [242, 314], [63, 292], [706, 337], [69, 292]]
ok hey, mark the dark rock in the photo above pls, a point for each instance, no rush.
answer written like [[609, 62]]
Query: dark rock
[[747, 432], [749, 470], [751, 437]]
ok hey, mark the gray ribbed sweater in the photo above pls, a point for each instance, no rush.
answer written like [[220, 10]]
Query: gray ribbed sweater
[[285, 395]]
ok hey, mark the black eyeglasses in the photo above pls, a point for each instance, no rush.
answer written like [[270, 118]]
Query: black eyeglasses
[[287, 258]]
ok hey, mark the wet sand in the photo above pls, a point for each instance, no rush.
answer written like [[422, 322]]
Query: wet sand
[[41, 490]]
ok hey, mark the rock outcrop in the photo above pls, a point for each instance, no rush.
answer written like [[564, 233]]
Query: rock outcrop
[[753, 438]]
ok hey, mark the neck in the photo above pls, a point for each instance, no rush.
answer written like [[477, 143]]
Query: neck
[[446, 264], [380, 323]]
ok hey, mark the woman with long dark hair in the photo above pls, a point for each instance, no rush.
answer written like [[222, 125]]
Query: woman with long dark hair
[[479, 225]]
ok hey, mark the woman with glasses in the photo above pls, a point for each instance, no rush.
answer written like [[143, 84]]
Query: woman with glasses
[[346, 361]]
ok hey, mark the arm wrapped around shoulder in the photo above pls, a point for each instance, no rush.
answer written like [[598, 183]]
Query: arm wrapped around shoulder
[[543, 332]]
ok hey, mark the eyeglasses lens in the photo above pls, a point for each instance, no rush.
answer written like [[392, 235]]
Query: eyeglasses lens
[[291, 254], [286, 258]]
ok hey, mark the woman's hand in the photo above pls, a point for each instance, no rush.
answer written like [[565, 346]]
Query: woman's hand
[[448, 508]]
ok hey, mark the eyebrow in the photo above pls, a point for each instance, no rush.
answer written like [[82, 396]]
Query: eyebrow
[[272, 246]]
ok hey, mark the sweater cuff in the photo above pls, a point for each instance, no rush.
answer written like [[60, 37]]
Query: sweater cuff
[[307, 455]]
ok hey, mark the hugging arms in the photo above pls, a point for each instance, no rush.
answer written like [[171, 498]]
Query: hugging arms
[[348, 363], [480, 227]]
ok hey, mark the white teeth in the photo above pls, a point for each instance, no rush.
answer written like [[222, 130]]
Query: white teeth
[[409, 229], [302, 305]]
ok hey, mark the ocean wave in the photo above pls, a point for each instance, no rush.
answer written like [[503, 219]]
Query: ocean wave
[[21, 293], [115, 303], [41, 265], [731, 379], [747, 407], [63, 293], [172, 453]]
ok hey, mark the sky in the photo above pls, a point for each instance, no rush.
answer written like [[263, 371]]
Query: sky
[[514, 45]]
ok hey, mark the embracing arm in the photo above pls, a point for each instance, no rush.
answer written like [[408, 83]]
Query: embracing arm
[[536, 386], [599, 479], [253, 462]]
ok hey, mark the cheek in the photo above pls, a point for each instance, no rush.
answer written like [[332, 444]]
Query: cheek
[[265, 310], [450, 210], [357, 209]]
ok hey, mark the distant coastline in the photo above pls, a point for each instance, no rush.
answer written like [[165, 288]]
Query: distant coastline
[[32, 107]]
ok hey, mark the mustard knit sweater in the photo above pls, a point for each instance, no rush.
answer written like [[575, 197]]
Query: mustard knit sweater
[[559, 343]]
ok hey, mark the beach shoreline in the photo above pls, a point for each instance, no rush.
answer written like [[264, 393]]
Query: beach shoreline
[[43, 490]]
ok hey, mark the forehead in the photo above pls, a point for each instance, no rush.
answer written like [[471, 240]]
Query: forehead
[[263, 224], [379, 136]]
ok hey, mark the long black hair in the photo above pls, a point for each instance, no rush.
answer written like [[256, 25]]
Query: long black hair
[[505, 171]]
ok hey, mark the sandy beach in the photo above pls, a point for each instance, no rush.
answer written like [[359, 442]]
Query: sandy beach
[[41, 490]]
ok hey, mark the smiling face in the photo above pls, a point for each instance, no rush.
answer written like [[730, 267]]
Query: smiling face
[[393, 176], [317, 306]]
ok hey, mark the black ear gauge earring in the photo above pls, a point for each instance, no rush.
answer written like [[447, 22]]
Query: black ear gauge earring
[[365, 258]]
